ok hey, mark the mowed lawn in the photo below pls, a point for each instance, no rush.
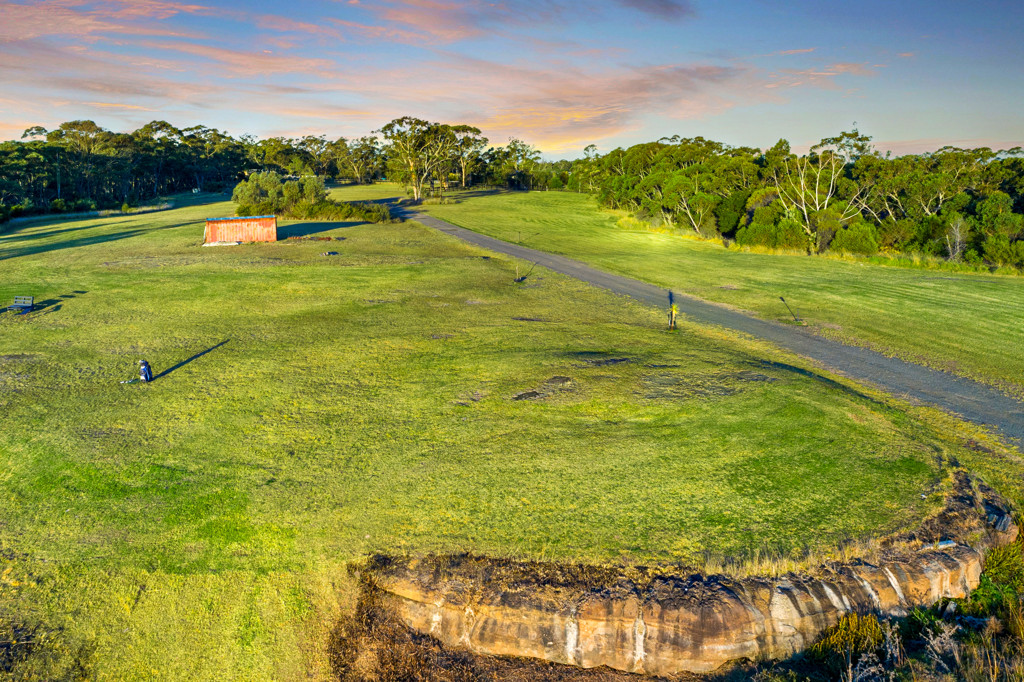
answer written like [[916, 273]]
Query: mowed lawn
[[969, 324], [402, 396]]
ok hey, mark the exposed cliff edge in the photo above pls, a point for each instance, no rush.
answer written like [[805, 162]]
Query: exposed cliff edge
[[666, 624]]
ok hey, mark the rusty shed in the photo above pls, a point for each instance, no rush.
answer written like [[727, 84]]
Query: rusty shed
[[261, 228]]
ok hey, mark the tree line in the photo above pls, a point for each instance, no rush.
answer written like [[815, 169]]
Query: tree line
[[842, 195], [80, 166]]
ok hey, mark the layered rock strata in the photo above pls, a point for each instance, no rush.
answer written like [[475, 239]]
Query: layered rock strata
[[665, 625]]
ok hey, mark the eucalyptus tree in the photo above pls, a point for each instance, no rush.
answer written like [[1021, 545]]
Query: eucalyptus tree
[[933, 179], [677, 179], [814, 188], [469, 145], [417, 150], [361, 159], [518, 159], [319, 153], [162, 143], [212, 154]]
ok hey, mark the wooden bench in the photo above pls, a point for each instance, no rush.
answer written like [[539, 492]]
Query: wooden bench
[[25, 304]]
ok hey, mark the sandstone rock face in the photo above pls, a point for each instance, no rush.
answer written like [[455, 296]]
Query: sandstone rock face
[[671, 624]]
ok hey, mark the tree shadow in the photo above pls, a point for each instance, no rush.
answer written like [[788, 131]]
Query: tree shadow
[[185, 362], [18, 252], [17, 234], [307, 229], [471, 193], [831, 383]]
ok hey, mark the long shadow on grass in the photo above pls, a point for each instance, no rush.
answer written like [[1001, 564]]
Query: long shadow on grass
[[18, 233], [185, 362], [7, 254], [831, 383], [306, 229], [52, 305]]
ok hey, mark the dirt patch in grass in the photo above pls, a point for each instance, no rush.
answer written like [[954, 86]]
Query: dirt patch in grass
[[552, 386], [16, 357], [676, 386]]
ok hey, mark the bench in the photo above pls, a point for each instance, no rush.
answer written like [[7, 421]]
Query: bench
[[25, 304]]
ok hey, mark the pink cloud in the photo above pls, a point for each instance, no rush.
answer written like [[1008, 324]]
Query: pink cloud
[[113, 105], [283, 24], [557, 106], [931, 144], [152, 9], [447, 21], [665, 9], [380, 32], [12, 130], [77, 71], [25, 21], [818, 77], [246, 62], [852, 68]]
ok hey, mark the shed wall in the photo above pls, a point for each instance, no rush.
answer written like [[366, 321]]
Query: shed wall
[[245, 229]]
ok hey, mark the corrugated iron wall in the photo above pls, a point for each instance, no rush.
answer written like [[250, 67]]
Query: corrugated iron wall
[[246, 229]]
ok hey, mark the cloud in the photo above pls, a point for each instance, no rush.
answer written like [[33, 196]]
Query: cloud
[[931, 144], [283, 24], [112, 105], [152, 9], [665, 9], [264, 71], [823, 77], [12, 130], [450, 21], [246, 62], [376, 33], [852, 68], [789, 52], [26, 21], [77, 72], [556, 106]]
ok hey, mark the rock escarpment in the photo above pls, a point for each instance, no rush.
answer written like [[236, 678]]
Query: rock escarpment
[[666, 624]]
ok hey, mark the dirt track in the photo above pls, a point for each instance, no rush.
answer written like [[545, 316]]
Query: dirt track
[[970, 399]]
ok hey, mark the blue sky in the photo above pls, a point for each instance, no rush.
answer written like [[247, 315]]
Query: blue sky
[[914, 75]]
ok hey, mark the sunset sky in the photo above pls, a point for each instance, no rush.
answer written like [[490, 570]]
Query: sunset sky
[[915, 74]]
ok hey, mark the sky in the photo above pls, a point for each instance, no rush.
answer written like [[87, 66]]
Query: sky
[[915, 74]]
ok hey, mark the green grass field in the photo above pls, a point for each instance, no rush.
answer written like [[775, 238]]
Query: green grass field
[[969, 324], [312, 409]]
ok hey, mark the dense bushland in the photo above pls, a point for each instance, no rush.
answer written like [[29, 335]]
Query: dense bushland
[[963, 205], [305, 199]]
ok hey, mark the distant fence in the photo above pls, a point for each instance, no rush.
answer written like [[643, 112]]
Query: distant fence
[[246, 229]]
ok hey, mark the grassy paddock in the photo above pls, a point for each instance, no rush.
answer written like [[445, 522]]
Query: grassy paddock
[[969, 324], [312, 409]]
